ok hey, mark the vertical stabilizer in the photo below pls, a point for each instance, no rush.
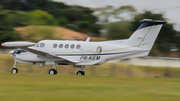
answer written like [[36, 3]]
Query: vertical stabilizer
[[145, 36]]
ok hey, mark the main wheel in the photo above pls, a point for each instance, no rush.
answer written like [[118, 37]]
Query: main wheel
[[52, 71], [14, 70], [80, 73], [55, 71]]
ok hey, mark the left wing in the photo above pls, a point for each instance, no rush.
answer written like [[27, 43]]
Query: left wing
[[25, 45], [18, 44]]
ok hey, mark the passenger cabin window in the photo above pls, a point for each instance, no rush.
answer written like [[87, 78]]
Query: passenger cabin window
[[42, 44], [72, 46], [61, 46], [78, 46], [66, 46], [55, 45]]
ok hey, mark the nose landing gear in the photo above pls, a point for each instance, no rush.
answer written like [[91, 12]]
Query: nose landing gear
[[14, 70]]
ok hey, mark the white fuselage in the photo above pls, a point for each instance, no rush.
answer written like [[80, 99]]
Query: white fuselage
[[80, 52]]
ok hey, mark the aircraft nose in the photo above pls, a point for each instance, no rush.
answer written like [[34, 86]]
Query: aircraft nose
[[11, 52]]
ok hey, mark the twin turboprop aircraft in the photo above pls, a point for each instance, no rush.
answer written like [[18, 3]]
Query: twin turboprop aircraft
[[81, 53]]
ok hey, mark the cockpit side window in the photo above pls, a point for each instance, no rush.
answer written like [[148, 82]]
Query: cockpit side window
[[42, 44]]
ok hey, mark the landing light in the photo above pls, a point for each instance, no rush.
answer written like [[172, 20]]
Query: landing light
[[2, 44]]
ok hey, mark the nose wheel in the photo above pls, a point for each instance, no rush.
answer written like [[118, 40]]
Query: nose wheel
[[14, 70]]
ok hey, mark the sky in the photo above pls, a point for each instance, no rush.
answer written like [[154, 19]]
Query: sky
[[170, 8]]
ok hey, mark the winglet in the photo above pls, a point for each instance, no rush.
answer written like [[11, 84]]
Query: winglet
[[88, 39]]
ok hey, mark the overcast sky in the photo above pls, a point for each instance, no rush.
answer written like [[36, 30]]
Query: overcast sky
[[171, 8]]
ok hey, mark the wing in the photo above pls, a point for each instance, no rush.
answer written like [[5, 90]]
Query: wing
[[38, 52], [17, 44], [35, 51], [25, 45]]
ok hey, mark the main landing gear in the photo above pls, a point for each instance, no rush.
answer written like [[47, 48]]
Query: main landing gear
[[81, 72], [53, 71], [14, 70]]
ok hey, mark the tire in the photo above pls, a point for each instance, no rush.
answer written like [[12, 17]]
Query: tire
[[52, 72], [55, 72], [80, 73], [14, 70]]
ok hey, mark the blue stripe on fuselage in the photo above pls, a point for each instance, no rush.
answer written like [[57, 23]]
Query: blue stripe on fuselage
[[93, 54]]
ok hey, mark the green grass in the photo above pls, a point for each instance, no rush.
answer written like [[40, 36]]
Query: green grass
[[108, 82], [43, 87]]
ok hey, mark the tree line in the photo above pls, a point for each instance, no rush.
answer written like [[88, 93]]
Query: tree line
[[16, 13]]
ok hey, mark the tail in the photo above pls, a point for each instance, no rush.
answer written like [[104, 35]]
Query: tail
[[145, 36]]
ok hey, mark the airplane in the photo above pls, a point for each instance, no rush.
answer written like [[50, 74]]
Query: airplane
[[82, 53]]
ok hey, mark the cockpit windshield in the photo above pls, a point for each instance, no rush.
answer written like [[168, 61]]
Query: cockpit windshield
[[18, 51], [36, 45]]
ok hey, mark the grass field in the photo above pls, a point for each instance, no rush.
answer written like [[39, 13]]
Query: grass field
[[43, 87], [108, 82]]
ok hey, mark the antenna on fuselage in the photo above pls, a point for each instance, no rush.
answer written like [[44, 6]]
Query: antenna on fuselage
[[88, 39]]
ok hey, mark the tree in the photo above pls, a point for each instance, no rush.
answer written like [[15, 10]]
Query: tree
[[6, 31], [122, 13], [19, 18], [37, 17], [62, 21], [118, 30], [104, 13], [49, 12], [30, 5]]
